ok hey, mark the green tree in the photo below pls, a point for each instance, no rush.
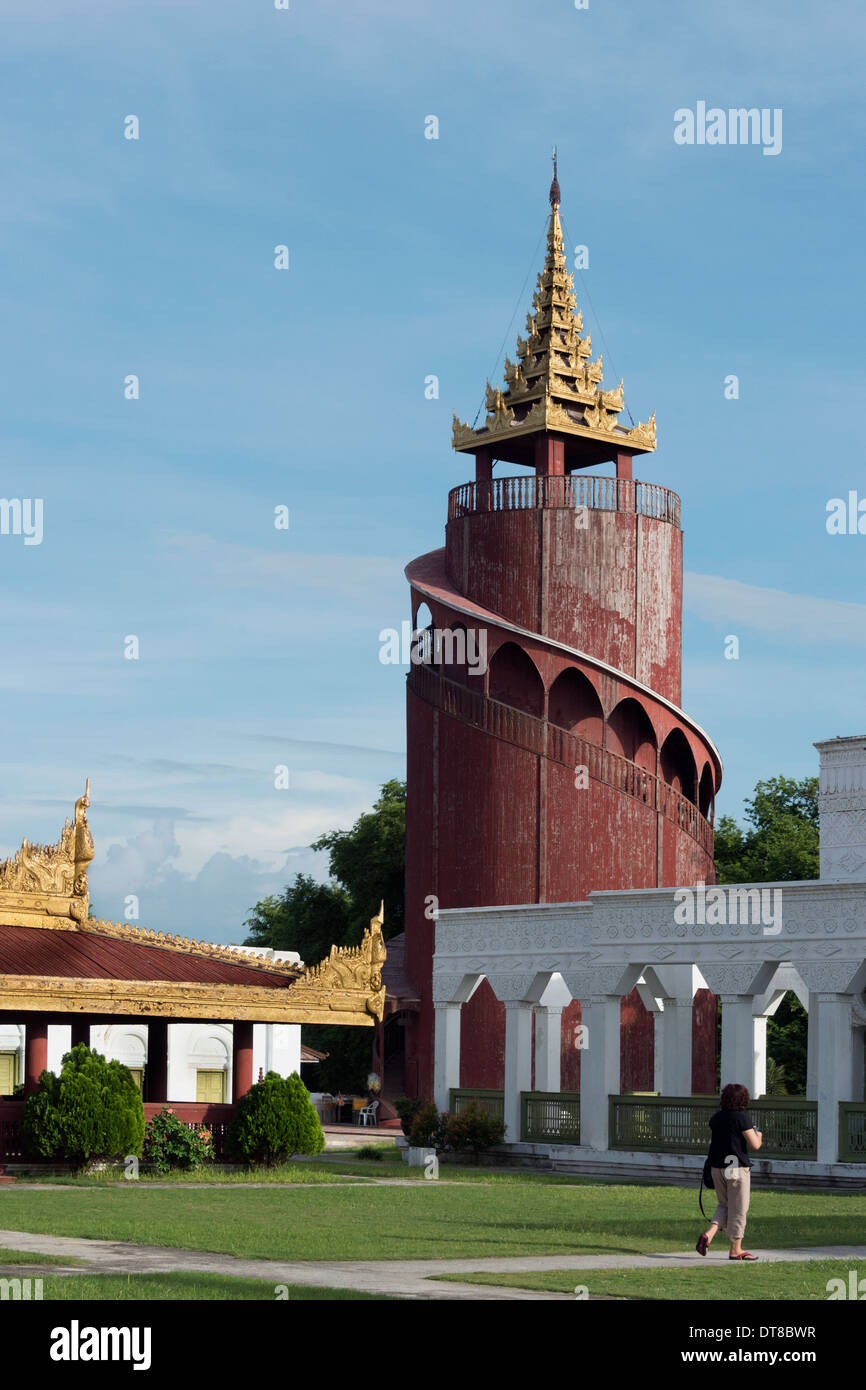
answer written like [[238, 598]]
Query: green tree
[[787, 1035], [369, 861], [307, 917], [781, 841], [92, 1110]]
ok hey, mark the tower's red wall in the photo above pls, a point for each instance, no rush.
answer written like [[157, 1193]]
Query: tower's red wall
[[486, 822], [613, 590], [490, 823]]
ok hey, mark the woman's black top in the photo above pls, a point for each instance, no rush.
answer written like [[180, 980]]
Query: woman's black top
[[726, 1128]]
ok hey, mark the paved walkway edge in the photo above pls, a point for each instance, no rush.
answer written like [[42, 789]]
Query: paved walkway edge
[[407, 1278]]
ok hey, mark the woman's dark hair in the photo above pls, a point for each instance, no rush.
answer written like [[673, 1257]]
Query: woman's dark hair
[[735, 1098]]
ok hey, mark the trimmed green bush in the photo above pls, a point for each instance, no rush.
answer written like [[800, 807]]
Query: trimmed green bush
[[92, 1110], [274, 1120], [429, 1128], [475, 1129], [170, 1145], [407, 1108]]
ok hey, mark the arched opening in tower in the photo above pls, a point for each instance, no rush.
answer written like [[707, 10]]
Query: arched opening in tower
[[573, 704], [678, 765], [706, 793], [422, 634], [631, 734], [514, 680]]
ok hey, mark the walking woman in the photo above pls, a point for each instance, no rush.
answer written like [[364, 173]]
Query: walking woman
[[732, 1129]]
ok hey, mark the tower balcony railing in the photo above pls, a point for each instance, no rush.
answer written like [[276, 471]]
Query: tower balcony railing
[[529, 492], [561, 746]]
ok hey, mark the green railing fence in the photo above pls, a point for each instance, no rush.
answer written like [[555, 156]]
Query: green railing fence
[[675, 1124], [789, 1126], [551, 1117], [678, 1124], [491, 1101], [852, 1132], [662, 1124]]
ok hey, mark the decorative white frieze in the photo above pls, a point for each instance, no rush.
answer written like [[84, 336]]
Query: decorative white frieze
[[625, 932], [842, 809]]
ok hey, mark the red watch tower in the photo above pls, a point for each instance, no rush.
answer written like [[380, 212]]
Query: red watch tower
[[563, 764]]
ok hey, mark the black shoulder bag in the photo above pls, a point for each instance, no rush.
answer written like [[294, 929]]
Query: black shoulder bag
[[706, 1181]]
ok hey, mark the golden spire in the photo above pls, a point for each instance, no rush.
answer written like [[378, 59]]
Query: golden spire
[[554, 384]]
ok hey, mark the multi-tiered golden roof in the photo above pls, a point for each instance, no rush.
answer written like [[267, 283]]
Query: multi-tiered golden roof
[[554, 386]]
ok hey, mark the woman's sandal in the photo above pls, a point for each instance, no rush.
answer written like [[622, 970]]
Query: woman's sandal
[[702, 1244], [745, 1256]]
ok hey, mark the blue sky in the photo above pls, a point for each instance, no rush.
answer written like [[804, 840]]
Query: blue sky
[[305, 388]]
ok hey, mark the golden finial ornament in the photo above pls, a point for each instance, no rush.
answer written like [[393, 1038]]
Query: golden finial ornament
[[554, 384]]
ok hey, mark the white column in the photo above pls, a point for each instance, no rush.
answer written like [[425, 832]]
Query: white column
[[658, 1053], [858, 1065], [673, 1048], [548, 1048], [446, 1052], [738, 1042], [759, 1074], [830, 1020], [599, 1066], [518, 1062], [811, 1053], [672, 1021]]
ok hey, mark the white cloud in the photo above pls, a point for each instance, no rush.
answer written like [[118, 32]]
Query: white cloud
[[211, 904], [803, 617], [348, 577]]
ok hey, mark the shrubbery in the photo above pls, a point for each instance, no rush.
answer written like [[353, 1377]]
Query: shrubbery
[[428, 1128], [407, 1108], [274, 1120], [169, 1144], [92, 1110], [473, 1129]]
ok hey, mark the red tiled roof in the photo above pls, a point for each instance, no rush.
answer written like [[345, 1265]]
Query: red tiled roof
[[89, 955]]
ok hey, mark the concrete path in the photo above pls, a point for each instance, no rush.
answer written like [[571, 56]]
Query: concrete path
[[406, 1278]]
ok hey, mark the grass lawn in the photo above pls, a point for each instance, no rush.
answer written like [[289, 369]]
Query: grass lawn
[[315, 1170], [510, 1216], [284, 1173], [150, 1288], [448, 1172], [722, 1281], [30, 1257]]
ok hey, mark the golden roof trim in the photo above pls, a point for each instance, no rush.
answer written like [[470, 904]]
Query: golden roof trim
[[345, 988], [182, 999], [45, 886], [548, 413]]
